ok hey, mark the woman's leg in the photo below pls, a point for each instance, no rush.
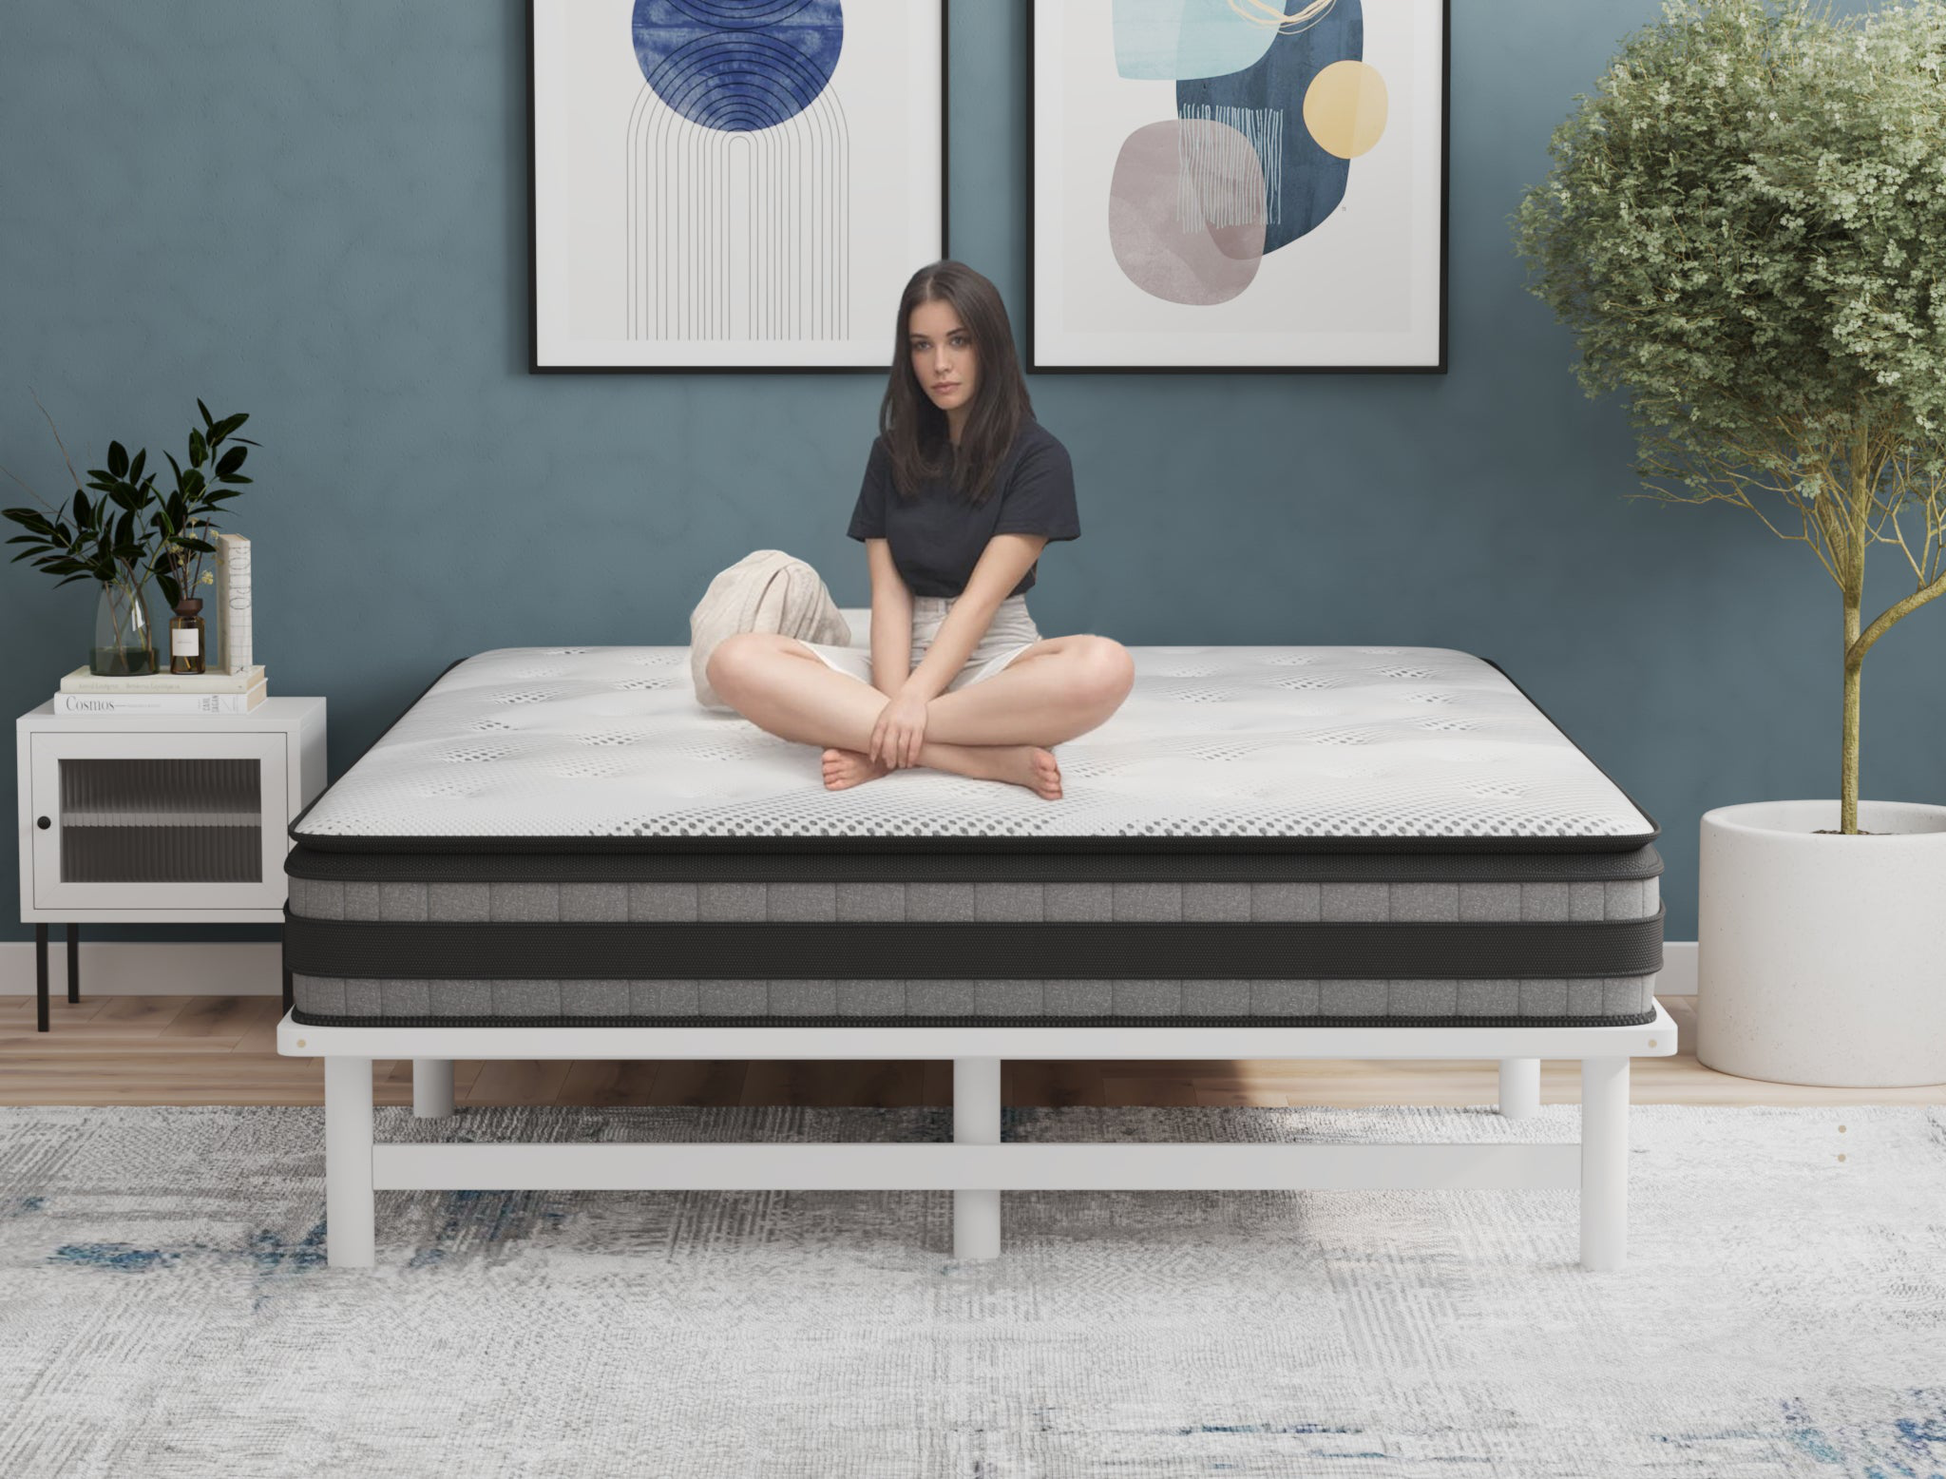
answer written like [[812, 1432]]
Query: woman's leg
[[785, 689], [1057, 689]]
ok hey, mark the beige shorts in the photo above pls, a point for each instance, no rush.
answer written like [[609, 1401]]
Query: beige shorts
[[1010, 633]]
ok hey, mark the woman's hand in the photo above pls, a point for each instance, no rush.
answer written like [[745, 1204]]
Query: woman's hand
[[900, 731]]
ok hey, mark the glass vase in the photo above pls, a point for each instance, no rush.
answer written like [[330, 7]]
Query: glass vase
[[124, 645]]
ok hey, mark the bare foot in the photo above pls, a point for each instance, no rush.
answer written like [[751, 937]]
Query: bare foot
[[846, 768], [1019, 765], [1029, 766]]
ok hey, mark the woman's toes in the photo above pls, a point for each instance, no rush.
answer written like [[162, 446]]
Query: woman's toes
[[845, 768], [1047, 775]]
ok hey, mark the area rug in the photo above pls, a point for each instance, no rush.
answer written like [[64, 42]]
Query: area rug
[[165, 1309]]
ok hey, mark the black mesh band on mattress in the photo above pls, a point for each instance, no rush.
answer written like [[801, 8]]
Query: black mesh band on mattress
[[307, 861], [946, 951], [318, 1019], [1164, 846]]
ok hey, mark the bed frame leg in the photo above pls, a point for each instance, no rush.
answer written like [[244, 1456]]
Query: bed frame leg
[[1520, 1087], [1604, 1163], [432, 1088], [976, 1121], [350, 1240]]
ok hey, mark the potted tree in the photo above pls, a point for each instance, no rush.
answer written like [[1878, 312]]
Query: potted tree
[[1745, 227]]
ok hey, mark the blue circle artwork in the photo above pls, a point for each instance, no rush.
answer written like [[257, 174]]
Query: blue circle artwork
[[738, 65]]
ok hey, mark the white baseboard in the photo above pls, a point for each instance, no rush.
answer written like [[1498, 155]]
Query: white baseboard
[[255, 968], [1678, 977], [145, 968]]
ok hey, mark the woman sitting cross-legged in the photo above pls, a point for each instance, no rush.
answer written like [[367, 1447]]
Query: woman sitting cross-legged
[[962, 490]]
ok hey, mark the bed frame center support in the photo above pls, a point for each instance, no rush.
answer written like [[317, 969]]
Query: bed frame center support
[[976, 1121], [1520, 1088], [432, 1088]]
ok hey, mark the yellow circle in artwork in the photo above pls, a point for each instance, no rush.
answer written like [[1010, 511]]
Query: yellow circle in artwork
[[1344, 108]]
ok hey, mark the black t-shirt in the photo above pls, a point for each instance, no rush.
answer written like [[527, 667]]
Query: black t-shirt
[[937, 538]]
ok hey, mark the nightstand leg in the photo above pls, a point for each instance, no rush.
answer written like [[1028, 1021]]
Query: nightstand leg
[[40, 975], [74, 962]]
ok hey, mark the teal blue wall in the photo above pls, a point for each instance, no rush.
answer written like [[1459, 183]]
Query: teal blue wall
[[317, 213]]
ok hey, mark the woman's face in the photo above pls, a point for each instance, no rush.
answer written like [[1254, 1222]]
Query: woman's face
[[943, 358]]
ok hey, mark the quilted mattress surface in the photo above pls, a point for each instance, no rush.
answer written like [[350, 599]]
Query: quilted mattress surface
[[1300, 747]]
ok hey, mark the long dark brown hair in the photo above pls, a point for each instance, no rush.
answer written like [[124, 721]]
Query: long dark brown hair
[[914, 428]]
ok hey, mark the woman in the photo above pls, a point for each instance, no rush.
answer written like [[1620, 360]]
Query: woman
[[962, 491]]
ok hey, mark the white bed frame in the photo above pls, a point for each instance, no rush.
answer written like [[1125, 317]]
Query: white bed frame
[[976, 1167]]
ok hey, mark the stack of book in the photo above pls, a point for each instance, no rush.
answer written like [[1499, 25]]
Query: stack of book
[[162, 693]]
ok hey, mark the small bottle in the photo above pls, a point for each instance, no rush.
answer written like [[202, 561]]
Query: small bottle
[[186, 637]]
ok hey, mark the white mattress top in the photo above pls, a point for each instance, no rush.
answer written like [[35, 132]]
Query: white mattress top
[[1218, 742]]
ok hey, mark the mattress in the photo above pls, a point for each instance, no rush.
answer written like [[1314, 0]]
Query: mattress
[[1326, 835]]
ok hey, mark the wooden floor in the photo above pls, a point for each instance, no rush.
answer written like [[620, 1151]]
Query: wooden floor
[[223, 1050]]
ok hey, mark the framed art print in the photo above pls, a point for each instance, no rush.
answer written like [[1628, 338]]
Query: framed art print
[[1237, 185], [731, 184]]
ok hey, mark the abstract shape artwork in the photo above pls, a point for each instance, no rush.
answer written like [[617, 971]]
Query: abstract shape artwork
[[1156, 189], [738, 68], [1310, 182], [1238, 184], [731, 184], [1344, 108], [1185, 38]]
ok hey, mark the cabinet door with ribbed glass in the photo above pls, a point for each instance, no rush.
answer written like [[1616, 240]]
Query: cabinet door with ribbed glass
[[158, 821]]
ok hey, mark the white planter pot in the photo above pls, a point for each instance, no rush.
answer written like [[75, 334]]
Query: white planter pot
[[1822, 959]]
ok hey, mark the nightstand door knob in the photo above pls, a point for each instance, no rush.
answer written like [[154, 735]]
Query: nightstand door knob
[[43, 824]]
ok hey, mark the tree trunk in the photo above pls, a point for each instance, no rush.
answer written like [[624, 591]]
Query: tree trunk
[[1848, 776], [1864, 498]]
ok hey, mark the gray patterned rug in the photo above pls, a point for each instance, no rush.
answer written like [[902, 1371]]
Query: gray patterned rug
[[165, 1310]]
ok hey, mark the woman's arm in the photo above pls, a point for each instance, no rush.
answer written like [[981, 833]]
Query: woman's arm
[[891, 620], [1006, 558]]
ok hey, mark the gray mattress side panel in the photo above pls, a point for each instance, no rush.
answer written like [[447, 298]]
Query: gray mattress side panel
[[1160, 1001], [810, 903]]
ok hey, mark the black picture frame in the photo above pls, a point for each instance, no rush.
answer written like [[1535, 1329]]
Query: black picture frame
[[534, 365], [1439, 367]]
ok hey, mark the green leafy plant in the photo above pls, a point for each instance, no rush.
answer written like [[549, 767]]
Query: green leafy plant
[[1745, 226], [183, 520], [99, 545], [130, 533]]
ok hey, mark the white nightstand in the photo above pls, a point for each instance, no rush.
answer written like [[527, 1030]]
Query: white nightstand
[[150, 817]]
